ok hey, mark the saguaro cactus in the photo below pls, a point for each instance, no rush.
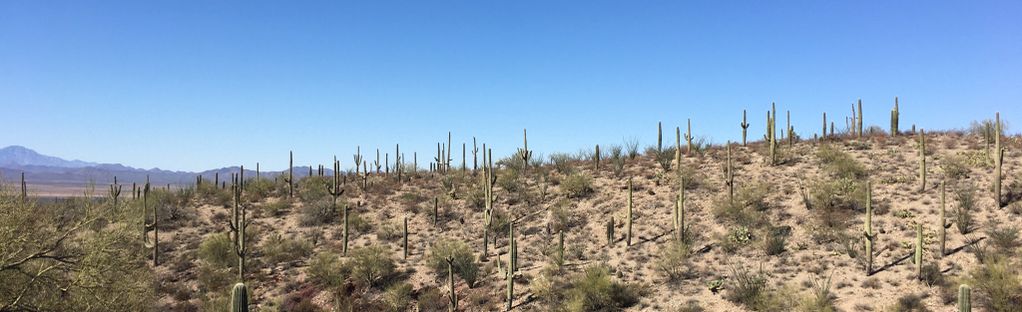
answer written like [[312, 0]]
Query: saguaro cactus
[[628, 219], [596, 157], [453, 306], [772, 133], [823, 133], [610, 231], [679, 213], [239, 223], [688, 136], [894, 118], [918, 257], [869, 238], [524, 153], [943, 220], [998, 159], [729, 176], [24, 188], [291, 174], [677, 147], [560, 248], [404, 242], [859, 119], [922, 160], [964, 298], [745, 127], [489, 180], [115, 191], [475, 156], [239, 298], [147, 226], [659, 137], [436, 210]]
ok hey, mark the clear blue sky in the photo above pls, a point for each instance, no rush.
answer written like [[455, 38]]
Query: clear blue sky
[[191, 85]]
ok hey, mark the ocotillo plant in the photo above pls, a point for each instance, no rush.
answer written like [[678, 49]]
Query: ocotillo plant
[[115, 191], [239, 222], [998, 159], [964, 298], [943, 220], [868, 225], [239, 298], [150, 226], [628, 218], [894, 118], [524, 153], [918, 257], [922, 160], [688, 136], [659, 137], [745, 127], [453, 306]]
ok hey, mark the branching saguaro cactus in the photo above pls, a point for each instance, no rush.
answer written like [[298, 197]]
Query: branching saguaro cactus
[[239, 298], [868, 227], [894, 118], [964, 298], [918, 257], [153, 226], [628, 218], [115, 191], [376, 163], [524, 153], [998, 159], [745, 127], [239, 223], [357, 157], [922, 160], [489, 180], [688, 137]]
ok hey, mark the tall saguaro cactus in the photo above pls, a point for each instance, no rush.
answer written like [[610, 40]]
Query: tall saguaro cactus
[[404, 242], [918, 257], [868, 225], [596, 157], [823, 133], [998, 159], [239, 222], [859, 119], [688, 137], [147, 226], [679, 213], [729, 175], [291, 174], [677, 147], [943, 220], [922, 160], [24, 188], [659, 137], [894, 118], [745, 127], [453, 306], [628, 218], [524, 153], [489, 180]]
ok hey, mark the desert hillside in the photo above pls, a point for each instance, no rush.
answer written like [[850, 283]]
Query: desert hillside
[[605, 232]]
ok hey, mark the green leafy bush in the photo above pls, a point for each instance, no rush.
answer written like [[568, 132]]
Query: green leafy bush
[[594, 290], [370, 266], [464, 262], [577, 185]]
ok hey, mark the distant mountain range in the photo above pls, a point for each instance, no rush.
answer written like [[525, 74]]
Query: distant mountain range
[[48, 170]]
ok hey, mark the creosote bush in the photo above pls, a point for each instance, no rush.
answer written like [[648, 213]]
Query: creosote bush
[[371, 266], [595, 290]]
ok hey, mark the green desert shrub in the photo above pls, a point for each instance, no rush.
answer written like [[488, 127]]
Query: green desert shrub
[[320, 212], [218, 250], [464, 262], [747, 207], [562, 162], [672, 262], [577, 185], [997, 284], [398, 297], [595, 290], [371, 266], [325, 268], [313, 189], [839, 164], [277, 249], [966, 197]]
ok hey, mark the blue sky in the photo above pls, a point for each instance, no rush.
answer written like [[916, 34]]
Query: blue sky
[[192, 85]]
